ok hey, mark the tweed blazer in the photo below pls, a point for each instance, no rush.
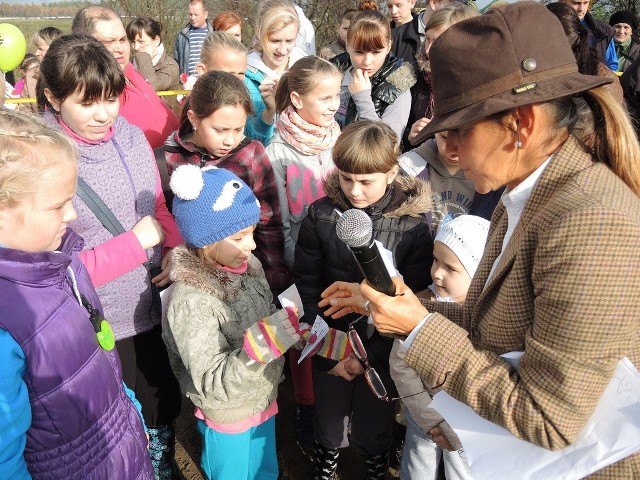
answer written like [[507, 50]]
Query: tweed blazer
[[565, 291]]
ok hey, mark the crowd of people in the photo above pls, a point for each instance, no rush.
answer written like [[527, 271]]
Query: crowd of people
[[500, 174]]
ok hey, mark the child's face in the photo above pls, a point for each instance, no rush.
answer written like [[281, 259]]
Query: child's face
[[41, 48], [235, 31], [278, 47], [319, 105], [90, 120], [234, 250], [450, 159], [400, 10], [343, 29], [449, 275], [225, 60], [432, 35], [220, 132], [364, 189], [368, 62], [37, 225]]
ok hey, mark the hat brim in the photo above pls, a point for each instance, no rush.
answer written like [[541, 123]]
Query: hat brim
[[544, 91]]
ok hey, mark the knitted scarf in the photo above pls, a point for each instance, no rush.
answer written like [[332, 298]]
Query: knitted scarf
[[306, 137]]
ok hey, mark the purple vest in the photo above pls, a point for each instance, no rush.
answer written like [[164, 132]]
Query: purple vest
[[83, 424]]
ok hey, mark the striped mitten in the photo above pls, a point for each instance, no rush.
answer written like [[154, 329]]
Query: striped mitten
[[270, 337], [335, 345]]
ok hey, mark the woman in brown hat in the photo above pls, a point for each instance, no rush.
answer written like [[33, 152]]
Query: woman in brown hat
[[560, 276]]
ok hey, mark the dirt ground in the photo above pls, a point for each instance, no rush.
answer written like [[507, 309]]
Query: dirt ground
[[293, 464]]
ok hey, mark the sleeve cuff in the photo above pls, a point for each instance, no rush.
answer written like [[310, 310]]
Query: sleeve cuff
[[409, 340]]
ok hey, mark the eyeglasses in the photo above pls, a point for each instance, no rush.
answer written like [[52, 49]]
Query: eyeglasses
[[371, 376]]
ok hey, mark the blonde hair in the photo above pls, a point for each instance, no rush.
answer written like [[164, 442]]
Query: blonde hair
[[217, 41], [303, 77], [449, 15], [272, 16], [26, 145], [365, 147]]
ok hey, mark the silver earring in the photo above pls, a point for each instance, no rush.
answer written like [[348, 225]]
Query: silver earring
[[517, 144]]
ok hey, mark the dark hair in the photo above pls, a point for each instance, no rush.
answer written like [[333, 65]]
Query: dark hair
[[369, 31], [349, 14], [79, 63], [578, 36], [225, 20], [85, 20], [147, 25], [303, 77], [366, 146], [212, 91]]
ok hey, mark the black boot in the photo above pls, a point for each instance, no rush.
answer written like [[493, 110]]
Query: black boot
[[325, 462], [304, 427], [376, 466]]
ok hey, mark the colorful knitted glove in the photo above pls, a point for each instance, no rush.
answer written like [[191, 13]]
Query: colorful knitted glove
[[335, 345], [270, 337]]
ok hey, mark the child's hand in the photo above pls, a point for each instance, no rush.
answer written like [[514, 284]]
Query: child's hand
[[270, 337], [268, 92], [416, 127], [359, 82], [148, 231], [340, 371], [162, 278], [343, 298]]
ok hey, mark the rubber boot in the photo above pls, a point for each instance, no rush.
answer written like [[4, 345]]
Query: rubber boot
[[325, 462], [162, 452], [376, 466]]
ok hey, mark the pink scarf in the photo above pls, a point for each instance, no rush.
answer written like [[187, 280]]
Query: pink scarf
[[306, 137]]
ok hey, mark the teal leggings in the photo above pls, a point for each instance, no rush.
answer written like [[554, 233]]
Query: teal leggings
[[250, 455]]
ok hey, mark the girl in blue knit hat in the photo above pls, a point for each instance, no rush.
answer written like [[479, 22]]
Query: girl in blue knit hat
[[223, 333]]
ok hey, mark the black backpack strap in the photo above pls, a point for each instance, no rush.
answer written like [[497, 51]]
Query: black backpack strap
[[99, 208], [161, 160]]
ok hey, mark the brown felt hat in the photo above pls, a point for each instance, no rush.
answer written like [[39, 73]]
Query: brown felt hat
[[515, 54]]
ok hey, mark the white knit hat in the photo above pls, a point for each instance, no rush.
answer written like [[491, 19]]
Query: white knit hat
[[466, 236]]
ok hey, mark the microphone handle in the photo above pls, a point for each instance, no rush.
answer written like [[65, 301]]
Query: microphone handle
[[373, 268]]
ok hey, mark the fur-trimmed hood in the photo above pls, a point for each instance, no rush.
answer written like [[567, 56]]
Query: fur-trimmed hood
[[403, 77], [189, 269], [413, 196]]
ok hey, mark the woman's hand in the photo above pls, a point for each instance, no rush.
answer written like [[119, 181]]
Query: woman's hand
[[398, 314], [359, 81], [340, 371], [162, 278], [343, 298], [439, 439], [416, 127]]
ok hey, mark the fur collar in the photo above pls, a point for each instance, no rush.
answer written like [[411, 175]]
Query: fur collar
[[417, 192], [189, 269], [403, 77]]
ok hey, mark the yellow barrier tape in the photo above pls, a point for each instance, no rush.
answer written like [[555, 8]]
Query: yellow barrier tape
[[164, 93]]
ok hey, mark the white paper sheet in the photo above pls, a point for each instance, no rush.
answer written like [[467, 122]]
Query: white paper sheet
[[612, 433], [320, 329], [291, 298]]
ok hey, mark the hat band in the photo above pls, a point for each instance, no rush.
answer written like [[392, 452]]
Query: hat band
[[499, 85]]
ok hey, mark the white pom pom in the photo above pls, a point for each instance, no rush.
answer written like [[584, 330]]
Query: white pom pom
[[187, 182]]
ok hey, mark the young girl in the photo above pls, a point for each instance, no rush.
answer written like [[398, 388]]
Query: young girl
[[365, 156], [78, 91], [26, 86], [224, 335], [211, 133], [149, 57], [457, 251], [453, 194], [229, 22], [65, 411], [276, 29], [339, 45], [307, 98], [43, 38], [376, 86], [224, 53]]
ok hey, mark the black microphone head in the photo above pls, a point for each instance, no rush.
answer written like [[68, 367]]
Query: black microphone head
[[355, 228]]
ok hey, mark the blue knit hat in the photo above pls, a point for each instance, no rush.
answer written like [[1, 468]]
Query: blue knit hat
[[211, 203]]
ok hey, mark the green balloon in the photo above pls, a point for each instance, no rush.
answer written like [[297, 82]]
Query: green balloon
[[13, 47]]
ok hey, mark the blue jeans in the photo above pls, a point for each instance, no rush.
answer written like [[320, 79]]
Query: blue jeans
[[250, 455], [421, 457]]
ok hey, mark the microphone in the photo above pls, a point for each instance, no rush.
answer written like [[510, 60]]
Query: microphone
[[355, 229]]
